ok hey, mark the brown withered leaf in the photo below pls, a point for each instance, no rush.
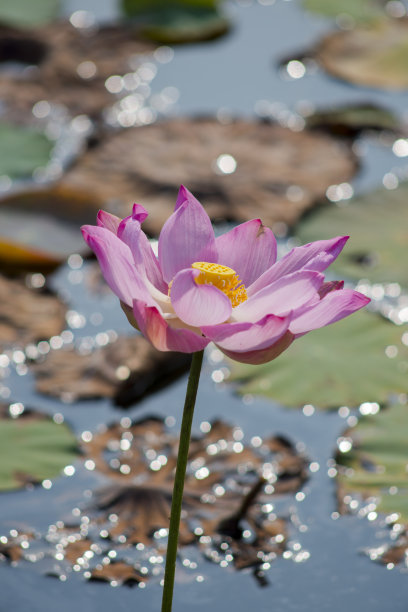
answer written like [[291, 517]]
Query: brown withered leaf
[[62, 53], [395, 551], [121, 535], [13, 549], [279, 173], [125, 370], [227, 483], [28, 315], [119, 572]]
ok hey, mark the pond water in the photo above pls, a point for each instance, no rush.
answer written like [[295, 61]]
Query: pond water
[[231, 75]]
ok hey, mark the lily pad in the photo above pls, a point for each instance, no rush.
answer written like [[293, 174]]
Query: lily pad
[[227, 509], [277, 178], [126, 370], [34, 448], [177, 21], [39, 228], [22, 150], [342, 364], [376, 465], [374, 55], [26, 13], [72, 66], [180, 26], [378, 223], [349, 120], [28, 315], [361, 11]]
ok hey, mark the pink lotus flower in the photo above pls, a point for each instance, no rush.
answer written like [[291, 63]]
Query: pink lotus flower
[[229, 290]]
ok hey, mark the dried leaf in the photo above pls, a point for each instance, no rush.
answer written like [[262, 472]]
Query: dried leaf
[[73, 65], [27, 315], [126, 370], [239, 170]]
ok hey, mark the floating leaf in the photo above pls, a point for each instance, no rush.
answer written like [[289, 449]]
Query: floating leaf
[[71, 67], [22, 150], [378, 460], [118, 572], [349, 120], [28, 315], [277, 178], [342, 364], [177, 21], [361, 11], [229, 485], [126, 370], [137, 7], [39, 228], [28, 13], [378, 223], [372, 56], [34, 448], [177, 26], [395, 552]]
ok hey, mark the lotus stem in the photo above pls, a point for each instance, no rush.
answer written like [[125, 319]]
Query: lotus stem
[[177, 499]]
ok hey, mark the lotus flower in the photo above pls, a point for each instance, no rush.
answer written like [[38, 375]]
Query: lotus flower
[[229, 290]]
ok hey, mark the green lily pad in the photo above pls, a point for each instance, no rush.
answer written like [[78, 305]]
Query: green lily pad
[[372, 55], [34, 448], [28, 13], [39, 227], [361, 11], [342, 364], [350, 120], [22, 150], [137, 7], [179, 21], [378, 224], [378, 460]]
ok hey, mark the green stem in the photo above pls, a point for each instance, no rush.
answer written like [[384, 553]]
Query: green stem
[[178, 488]]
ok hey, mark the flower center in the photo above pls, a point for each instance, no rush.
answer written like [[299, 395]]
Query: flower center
[[222, 277]]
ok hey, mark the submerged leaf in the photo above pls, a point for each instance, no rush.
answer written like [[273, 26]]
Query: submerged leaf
[[342, 364], [34, 448], [378, 223], [376, 465]]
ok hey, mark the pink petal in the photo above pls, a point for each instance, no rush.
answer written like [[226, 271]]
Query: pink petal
[[131, 233], [110, 222], [288, 293], [139, 213], [260, 356], [198, 305], [245, 337], [249, 249], [315, 256], [186, 237], [117, 264], [161, 335], [334, 306]]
